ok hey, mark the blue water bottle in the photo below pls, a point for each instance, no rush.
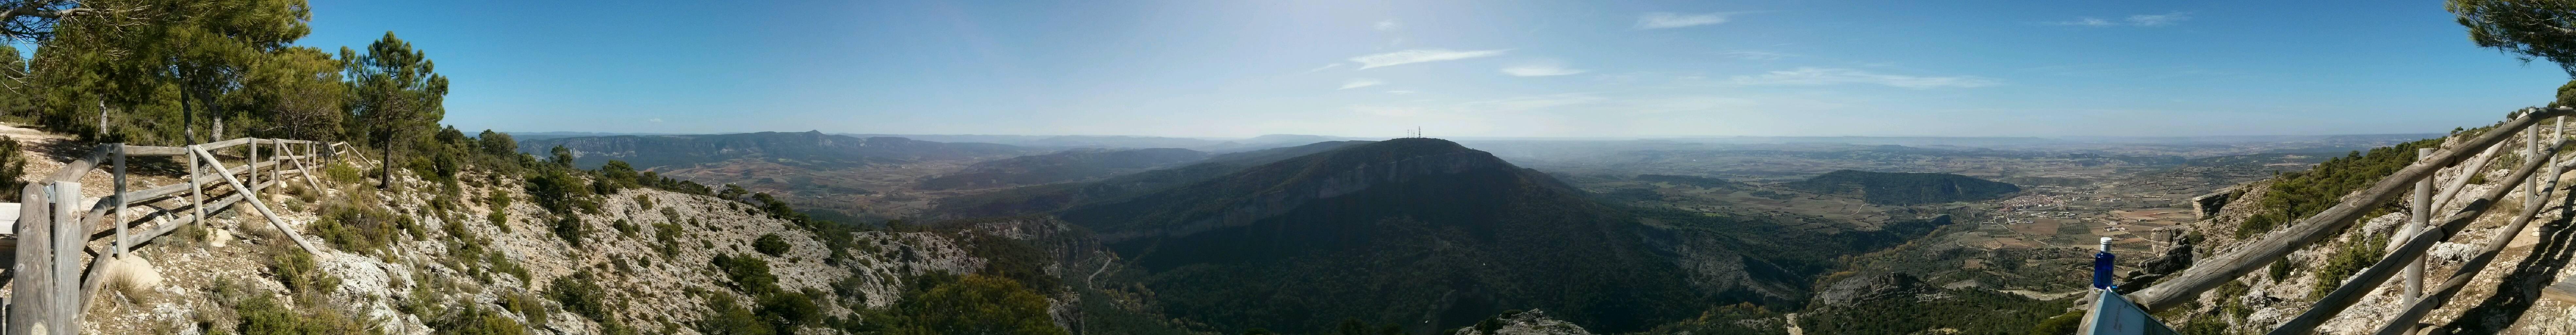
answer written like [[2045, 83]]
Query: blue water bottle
[[2102, 266]]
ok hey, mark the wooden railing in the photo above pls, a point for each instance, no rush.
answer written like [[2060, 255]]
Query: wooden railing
[[53, 231], [2413, 241]]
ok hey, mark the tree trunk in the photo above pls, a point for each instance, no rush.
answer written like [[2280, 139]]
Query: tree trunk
[[386, 163], [188, 115]]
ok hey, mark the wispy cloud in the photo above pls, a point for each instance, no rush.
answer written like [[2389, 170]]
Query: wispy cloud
[[2140, 20], [2086, 21], [1387, 25], [1663, 20], [1361, 82], [1420, 55], [2158, 20], [1539, 70], [1810, 76], [1755, 55], [1322, 68]]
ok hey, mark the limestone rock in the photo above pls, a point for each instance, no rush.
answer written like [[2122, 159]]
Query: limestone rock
[[1533, 322]]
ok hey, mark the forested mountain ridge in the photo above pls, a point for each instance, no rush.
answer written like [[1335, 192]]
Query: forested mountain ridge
[[1049, 198], [808, 148], [1378, 232]]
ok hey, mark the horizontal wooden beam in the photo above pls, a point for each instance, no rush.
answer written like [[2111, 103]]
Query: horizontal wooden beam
[[145, 150], [96, 275]]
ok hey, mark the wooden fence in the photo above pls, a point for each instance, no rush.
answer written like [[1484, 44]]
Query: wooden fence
[[52, 289], [2414, 239]]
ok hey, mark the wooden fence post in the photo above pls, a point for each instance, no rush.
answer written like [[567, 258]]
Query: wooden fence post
[[118, 249], [31, 310], [69, 235], [2423, 216]]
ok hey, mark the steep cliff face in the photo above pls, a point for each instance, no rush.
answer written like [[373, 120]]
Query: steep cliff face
[[647, 151]]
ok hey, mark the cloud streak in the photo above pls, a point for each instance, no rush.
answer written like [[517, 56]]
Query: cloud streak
[[1539, 70], [1322, 68], [1755, 55], [1361, 82], [1811, 76], [2140, 20], [1665, 20], [1419, 56]]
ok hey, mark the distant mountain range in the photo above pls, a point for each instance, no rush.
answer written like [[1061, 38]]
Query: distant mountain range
[[1132, 142], [1068, 165], [806, 148]]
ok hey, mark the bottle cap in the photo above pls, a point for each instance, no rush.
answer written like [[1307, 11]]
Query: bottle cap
[[2106, 240]]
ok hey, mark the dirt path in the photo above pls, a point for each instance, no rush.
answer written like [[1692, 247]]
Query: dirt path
[[1095, 274], [2042, 296]]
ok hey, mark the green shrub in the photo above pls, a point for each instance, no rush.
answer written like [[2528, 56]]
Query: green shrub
[[13, 168], [974, 304], [727, 316], [299, 272], [571, 229], [477, 321], [501, 263], [2358, 252], [2063, 324], [668, 235], [770, 244], [749, 274], [627, 229], [526, 306], [343, 173], [263, 315], [356, 228]]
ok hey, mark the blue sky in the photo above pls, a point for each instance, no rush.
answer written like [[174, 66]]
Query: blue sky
[[1456, 68]]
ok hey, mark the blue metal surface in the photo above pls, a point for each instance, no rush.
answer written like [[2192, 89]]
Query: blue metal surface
[[2112, 314]]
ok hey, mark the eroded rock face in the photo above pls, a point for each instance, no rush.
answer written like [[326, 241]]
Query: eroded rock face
[[1533, 322], [1857, 289]]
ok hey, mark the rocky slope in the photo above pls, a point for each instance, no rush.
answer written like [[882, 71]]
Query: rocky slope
[[423, 258], [2503, 298]]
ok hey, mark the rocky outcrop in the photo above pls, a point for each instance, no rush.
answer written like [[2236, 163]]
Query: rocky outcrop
[[1533, 322], [1866, 288]]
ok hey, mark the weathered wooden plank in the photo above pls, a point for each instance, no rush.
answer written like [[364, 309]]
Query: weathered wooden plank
[[30, 310], [2564, 291], [2469, 270], [146, 150], [261, 206], [97, 273], [2278, 244], [72, 170], [98, 210], [219, 145], [65, 317], [2370, 278]]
